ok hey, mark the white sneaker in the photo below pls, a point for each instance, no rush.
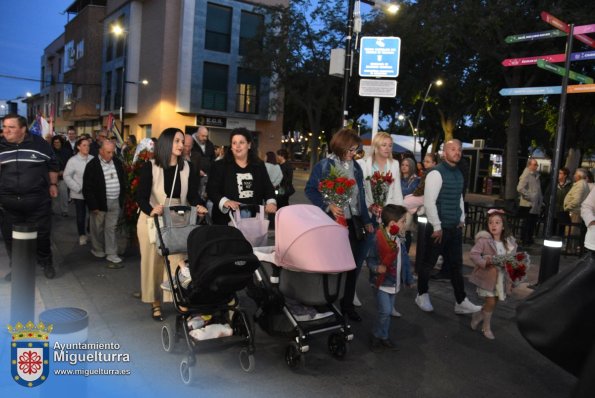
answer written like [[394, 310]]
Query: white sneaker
[[83, 240], [113, 258], [395, 313], [97, 253], [466, 307], [356, 301], [423, 302]]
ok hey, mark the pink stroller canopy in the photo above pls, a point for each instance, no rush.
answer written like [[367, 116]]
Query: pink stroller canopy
[[308, 240]]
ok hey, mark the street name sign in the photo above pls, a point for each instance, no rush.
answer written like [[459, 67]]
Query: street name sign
[[548, 34], [581, 88], [562, 71], [384, 88], [531, 90], [379, 56], [580, 56], [563, 26]]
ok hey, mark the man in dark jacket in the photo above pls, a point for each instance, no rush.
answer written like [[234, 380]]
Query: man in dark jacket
[[104, 186], [28, 181]]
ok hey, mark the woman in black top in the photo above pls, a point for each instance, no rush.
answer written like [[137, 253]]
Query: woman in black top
[[239, 178], [153, 193]]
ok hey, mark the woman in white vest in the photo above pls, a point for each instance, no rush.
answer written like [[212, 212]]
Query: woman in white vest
[[154, 191]]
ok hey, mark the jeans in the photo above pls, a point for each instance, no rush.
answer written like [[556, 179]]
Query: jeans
[[385, 303], [451, 248], [406, 274], [81, 215]]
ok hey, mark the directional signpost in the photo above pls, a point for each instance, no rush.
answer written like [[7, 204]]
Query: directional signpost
[[564, 27], [561, 71], [548, 34], [531, 90], [557, 58]]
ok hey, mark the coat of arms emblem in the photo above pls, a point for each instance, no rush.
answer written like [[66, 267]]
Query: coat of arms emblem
[[30, 353]]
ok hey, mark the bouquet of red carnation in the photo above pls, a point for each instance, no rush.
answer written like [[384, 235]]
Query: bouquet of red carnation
[[336, 189], [132, 168], [380, 184], [516, 266]]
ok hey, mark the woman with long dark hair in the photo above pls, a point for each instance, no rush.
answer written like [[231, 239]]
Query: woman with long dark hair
[[239, 178], [73, 177], [165, 180]]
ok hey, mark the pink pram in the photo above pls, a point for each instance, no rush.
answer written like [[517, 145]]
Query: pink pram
[[307, 265]]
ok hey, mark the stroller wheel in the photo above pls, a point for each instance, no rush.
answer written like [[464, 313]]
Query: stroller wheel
[[337, 345], [168, 338], [186, 371], [247, 361], [293, 356]]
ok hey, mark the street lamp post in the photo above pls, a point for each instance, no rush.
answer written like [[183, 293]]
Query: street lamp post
[[413, 129], [391, 8], [119, 31], [421, 109]]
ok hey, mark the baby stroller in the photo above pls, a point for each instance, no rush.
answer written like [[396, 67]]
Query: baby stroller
[[308, 266], [221, 263]]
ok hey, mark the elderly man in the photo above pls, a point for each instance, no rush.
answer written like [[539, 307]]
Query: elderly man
[[104, 185], [100, 137], [531, 198], [205, 150], [443, 200], [28, 180]]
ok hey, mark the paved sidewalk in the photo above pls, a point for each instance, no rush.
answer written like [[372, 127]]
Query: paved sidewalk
[[439, 356]]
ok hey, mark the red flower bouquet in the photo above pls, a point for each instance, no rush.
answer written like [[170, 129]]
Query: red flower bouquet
[[380, 184], [132, 168], [336, 189], [516, 266]]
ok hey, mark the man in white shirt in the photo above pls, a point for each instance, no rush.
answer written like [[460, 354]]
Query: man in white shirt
[[443, 201]]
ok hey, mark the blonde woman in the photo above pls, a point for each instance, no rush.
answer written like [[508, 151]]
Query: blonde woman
[[381, 160]]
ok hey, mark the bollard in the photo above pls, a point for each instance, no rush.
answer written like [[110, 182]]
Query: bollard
[[550, 258], [22, 295], [420, 245]]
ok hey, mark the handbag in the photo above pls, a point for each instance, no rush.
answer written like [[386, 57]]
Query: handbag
[[255, 229], [558, 318], [170, 231], [359, 229]]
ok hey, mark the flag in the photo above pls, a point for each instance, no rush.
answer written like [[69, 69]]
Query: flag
[[35, 127], [111, 126]]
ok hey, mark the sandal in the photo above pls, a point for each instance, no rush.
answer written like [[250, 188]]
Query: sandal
[[156, 313]]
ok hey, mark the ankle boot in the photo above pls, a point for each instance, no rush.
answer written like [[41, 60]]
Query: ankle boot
[[476, 319], [487, 332]]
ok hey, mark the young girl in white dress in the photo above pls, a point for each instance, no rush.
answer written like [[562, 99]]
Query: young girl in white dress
[[491, 282]]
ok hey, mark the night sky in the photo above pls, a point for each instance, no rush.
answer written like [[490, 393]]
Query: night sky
[[27, 28]]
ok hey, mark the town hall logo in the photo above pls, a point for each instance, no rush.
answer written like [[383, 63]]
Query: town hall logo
[[30, 353]]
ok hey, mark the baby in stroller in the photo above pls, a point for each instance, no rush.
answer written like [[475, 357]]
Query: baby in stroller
[[301, 279], [220, 263]]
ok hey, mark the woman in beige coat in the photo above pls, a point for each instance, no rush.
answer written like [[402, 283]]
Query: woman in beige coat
[[490, 280]]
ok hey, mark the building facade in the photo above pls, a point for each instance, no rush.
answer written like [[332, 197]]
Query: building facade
[[190, 52]]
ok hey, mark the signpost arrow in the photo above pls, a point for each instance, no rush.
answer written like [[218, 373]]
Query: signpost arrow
[[561, 71], [581, 56], [563, 26], [548, 34], [531, 90], [581, 88]]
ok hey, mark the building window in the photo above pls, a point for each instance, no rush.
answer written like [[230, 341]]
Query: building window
[[247, 91], [214, 82], [120, 39], [107, 99], [118, 89], [218, 29], [68, 96], [109, 47], [80, 49], [250, 26], [43, 84]]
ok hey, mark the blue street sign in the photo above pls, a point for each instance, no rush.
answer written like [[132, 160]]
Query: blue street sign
[[379, 56], [531, 90]]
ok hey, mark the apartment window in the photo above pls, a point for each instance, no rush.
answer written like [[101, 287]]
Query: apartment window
[[218, 29], [109, 47], [214, 82], [120, 39], [247, 91], [107, 99], [118, 89], [80, 49], [250, 26]]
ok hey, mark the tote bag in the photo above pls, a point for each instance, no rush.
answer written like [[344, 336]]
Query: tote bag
[[255, 229]]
